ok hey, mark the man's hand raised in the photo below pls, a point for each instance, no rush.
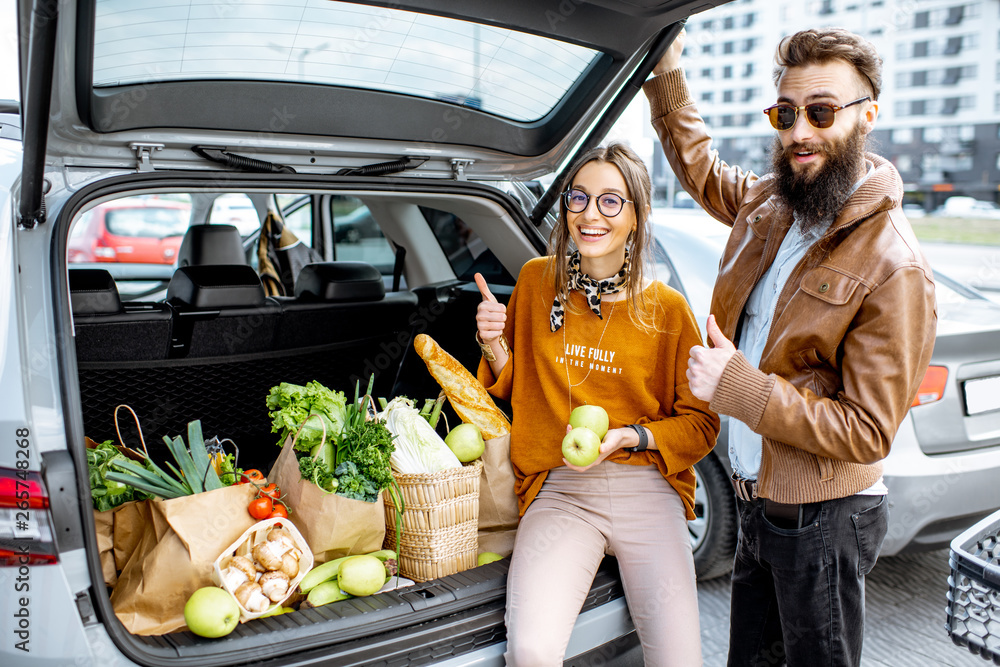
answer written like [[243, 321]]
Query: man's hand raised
[[671, 60], [705, 365]]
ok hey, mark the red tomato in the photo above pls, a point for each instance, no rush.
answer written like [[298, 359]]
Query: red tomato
[[252, 475], [271, 490], [279, 511], [260, 508]]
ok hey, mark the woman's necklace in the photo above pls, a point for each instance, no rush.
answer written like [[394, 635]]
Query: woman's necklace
[[569, 385]]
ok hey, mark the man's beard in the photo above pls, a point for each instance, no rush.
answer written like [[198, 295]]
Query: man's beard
[[816, 197]]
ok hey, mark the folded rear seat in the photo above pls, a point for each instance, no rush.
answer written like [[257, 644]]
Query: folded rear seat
[[108, 330], [346, 303], [220, 310]]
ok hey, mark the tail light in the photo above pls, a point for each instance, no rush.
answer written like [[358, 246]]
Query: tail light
[[932, 387], [104, 252], [25, 528]]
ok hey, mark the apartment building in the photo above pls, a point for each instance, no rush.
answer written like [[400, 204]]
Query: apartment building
[[939, 118]]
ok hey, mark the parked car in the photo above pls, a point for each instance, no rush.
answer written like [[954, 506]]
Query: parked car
[[944, 461], [960, 206], [236, 210], [129, 101], [133, 230]]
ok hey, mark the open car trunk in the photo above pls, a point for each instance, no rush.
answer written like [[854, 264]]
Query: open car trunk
[[173, 360]]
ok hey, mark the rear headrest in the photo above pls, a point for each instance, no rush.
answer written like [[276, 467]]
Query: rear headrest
[[340, 281], [93, 292], [216, 286], [211, 244]]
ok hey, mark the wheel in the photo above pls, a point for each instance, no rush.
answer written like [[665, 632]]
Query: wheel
[[714, 529]]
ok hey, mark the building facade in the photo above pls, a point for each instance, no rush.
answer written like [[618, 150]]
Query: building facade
[[939, 118]]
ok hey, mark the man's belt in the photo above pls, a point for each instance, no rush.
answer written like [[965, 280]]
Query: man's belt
[[746, 489]]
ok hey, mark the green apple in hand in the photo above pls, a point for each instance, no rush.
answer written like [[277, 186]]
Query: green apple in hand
[[466, 442], [581, 446], [211, 612], [593, 417]]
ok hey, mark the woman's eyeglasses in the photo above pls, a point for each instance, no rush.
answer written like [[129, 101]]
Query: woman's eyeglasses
[[819, 114], [609, 204]]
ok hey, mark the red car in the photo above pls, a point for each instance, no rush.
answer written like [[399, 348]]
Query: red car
[[133, 230]]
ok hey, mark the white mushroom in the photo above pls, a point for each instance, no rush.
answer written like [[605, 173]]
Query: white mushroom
[[268, 554], [290, 564], [274, 585], [246, 565], [251, 597]]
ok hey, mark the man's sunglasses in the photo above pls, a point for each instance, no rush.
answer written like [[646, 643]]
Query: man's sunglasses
[[819, 114]]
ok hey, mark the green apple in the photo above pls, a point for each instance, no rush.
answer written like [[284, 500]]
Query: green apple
[[581, 446], [593, 417], [487, 557], [466, 442], [361, 575], [211, 612]]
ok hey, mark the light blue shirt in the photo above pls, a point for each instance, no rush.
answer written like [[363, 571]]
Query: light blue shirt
[[745, 446]]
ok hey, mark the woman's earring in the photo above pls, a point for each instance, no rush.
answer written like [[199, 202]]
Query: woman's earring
[[631, 238]]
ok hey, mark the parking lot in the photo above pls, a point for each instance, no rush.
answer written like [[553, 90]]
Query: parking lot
[[905, 615]]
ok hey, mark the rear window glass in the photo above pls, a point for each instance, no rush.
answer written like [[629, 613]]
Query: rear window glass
[[466, 251], [515, 75], [148, 221]]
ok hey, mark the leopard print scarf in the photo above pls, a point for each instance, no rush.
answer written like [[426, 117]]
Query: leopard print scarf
[[593, 289]]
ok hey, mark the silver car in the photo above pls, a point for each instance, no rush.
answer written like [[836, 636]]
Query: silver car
[[944, 462], [433, 122]]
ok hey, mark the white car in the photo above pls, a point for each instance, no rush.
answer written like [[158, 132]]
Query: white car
[[944, 462]]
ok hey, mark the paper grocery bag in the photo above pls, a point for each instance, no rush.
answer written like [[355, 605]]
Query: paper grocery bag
[[119, 530], [176, 554], [498, 512], [332, 525], [104, 526], [130, 521]]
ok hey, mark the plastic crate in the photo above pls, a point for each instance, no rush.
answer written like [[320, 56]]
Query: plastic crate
[[974, 589]]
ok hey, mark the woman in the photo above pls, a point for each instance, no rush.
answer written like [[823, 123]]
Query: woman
[[588, 328]]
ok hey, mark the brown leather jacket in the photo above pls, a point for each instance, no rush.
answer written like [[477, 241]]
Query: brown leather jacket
[[853, 329]]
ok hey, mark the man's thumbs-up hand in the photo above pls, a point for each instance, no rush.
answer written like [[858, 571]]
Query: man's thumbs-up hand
[[705, 365], [490, 315]]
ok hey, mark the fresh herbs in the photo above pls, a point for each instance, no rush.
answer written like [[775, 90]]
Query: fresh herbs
[[316, 471]]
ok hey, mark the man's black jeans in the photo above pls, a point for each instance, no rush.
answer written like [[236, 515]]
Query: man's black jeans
[[798, 595]]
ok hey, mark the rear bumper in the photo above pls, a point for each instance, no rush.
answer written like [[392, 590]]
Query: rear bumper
[[934, 498]]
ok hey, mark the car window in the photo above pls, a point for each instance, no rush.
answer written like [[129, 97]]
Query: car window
[[235, 208], [143, 229], [467, 253], [356, 235]]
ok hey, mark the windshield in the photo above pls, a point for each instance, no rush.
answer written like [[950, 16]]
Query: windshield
[[515, 75]]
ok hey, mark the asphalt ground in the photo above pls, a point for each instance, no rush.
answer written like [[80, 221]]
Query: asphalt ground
[[905, 615]]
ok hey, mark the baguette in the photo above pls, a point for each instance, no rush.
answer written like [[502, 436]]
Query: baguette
[[467, 395]]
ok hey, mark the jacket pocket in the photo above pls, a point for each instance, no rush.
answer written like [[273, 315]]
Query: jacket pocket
[[759, 219], [829, 285]]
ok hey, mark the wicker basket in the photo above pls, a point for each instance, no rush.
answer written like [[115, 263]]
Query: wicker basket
[[440, 522]]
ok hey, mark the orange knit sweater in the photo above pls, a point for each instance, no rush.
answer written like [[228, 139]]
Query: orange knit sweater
[[637, 376]]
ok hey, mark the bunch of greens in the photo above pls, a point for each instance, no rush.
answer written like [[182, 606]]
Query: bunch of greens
[[291, 404], [107, 494], [197, 472]]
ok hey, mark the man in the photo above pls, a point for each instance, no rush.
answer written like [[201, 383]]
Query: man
[[822, 328]]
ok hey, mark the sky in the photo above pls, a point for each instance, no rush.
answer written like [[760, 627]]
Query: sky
[[8, 52]]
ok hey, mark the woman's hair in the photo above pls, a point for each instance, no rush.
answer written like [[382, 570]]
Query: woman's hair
[[640, 187], [822, 45]]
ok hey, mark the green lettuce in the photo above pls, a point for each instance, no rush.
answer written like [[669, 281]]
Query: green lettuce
[[290, 405]]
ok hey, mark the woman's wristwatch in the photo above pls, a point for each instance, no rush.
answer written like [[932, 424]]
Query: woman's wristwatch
[[643, 438], [488, 351]]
